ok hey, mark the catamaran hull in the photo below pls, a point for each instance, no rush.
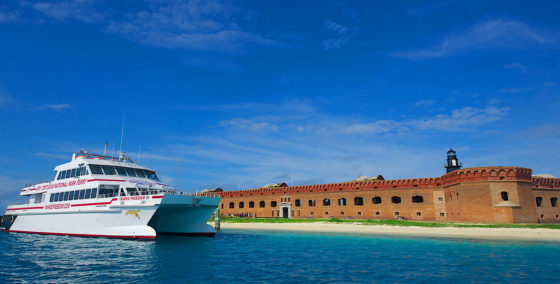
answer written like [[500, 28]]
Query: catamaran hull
[[175, 215], [184, 215], [111, 223]]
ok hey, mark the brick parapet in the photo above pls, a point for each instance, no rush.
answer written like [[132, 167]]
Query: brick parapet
[[546, 183], [462, 175]]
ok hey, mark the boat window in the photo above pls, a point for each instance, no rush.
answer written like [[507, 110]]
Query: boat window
[[85, 171], [123, 192], [108, 170], [93, 192], [140, 173], [144, 191], [130, 172], [73, 173], [78, 172], [58, 196], [121, 171], [65, 197], [95, 169], [51, 198], [63, 176], [70, 195], [88, 193], [107, 192], [82, 194], [151, 175]]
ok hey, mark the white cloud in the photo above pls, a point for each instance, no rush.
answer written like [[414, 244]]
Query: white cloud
[[335, 43], [6, 15], [515, 90], [82, 10], [55, 107], [193, 25], [343, 33], [425, 103], [335, 27], [497, 33], [516, 66], [248, 124], [467, 118]]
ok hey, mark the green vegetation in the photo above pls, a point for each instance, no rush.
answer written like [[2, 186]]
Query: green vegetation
[[391, 223]]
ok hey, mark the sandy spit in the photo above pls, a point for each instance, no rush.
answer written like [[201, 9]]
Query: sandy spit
[[445, 232]]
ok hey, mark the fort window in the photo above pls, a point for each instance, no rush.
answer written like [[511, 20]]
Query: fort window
[[539, 201], [417, 199], [377, 213], [327, 213], [359, 213], [396, 199], [440, 199], [418, 213], [442, 214], [342, 213], [397, 213], [376, 200], [261, 204], [542, 216], [326, 202], [342, 202], [505, 196], [358, 201], [298, 203], [241, 204], [222, 206], [231, 205], [288, 199], [311, 202], [272, 203], [553, 201], [251, 204], [457, 195]]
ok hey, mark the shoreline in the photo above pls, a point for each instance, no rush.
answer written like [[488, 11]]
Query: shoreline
[[526, 234]]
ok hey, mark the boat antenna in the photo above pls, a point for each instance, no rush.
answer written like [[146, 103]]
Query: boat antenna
[[139, 149], [122, 132], [179, 172], [105, 149]]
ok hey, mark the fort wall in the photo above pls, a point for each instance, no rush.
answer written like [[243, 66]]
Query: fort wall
[[485, 194]]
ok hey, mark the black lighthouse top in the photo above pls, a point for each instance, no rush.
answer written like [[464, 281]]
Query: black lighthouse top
[[452, 161]]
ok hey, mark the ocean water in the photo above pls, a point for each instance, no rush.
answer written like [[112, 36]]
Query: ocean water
[[273, 257]]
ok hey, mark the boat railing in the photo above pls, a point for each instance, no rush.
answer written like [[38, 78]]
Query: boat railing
[[17, 204]]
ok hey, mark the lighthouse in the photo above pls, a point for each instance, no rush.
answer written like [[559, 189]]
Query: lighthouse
[[452, 161]]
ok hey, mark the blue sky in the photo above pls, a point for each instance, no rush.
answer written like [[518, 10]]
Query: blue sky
[[245, 93]]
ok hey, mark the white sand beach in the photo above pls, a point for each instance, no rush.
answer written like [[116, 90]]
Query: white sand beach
[[445, 232]]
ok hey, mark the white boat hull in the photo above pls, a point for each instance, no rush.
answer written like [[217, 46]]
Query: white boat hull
[[175, 214]]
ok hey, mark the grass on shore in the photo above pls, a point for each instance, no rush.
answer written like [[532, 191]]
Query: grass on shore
[[390, 222]]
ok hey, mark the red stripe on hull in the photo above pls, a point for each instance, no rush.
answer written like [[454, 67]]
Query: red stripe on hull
[[89, 180], [91, 204], [81, 235], [24, 208], [155, 197]]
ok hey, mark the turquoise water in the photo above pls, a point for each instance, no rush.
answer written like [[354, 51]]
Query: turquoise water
[[249, 256]]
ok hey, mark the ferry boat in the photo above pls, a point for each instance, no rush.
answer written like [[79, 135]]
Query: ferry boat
[[102, 196]]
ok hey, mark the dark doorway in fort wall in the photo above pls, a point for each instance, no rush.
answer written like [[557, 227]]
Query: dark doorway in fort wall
[[285, 208]]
